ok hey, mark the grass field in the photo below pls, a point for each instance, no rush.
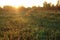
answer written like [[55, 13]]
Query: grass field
[[30, 25]]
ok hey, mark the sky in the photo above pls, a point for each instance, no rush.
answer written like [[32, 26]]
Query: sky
[[26, 3]]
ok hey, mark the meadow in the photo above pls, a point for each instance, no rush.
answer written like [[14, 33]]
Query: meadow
[[29, 24]]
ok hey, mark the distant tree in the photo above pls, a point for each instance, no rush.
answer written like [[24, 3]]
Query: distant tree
[[34, 7], [53, 7], [9, 9], [46, 5], [58, 5], [21, 8]]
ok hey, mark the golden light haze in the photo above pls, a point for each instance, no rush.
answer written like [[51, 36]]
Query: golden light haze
[[26, 3]]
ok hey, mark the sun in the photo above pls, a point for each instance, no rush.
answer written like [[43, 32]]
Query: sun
[[26, 3]]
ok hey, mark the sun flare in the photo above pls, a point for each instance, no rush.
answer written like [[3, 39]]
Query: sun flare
[[26, 3]]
